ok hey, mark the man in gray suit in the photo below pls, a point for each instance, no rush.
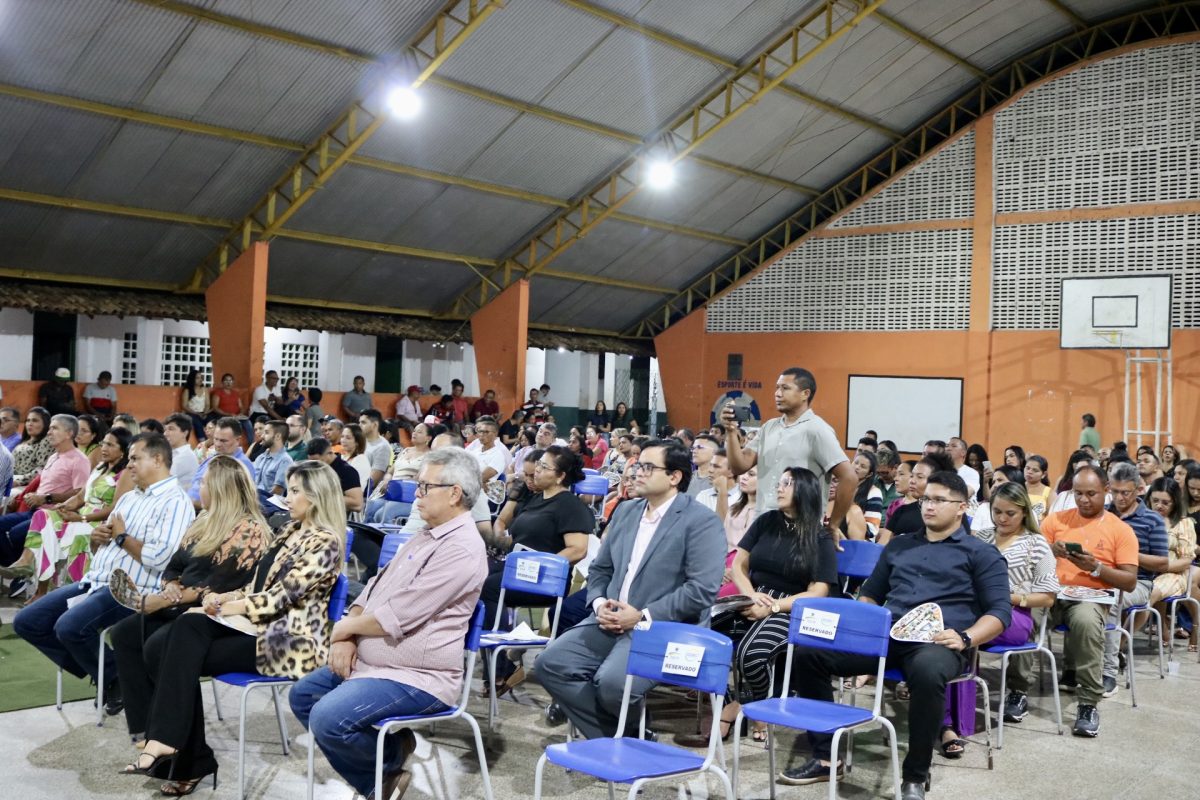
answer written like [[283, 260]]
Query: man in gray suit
[[662, 560]]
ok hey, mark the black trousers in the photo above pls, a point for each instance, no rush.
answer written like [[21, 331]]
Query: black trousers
[[195, 646], [926, 667], [137, 642]]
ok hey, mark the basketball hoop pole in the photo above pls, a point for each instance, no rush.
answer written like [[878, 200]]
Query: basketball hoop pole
[[1162, 364]]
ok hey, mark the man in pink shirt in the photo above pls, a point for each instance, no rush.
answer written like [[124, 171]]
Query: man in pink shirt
[[400, 649], [64, 475]]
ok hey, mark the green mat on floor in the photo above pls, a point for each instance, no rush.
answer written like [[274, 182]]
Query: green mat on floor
[[27, 676]]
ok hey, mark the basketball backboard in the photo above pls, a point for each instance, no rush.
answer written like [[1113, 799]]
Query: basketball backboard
[[1116, 313]]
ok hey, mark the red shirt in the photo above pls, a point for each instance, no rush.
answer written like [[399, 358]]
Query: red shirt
[[483, 408], [598, 454], [460, 408], [227, 401]]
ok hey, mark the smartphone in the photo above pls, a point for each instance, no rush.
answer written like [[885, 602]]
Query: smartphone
[[1073, 547], [987, 465]]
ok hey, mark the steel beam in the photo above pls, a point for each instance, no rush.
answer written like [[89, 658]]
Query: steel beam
[[317, 45], [321, 160], [1063, 9], [1176, 19], [234, 135], [720, 61], [929, 44], [820, 28]]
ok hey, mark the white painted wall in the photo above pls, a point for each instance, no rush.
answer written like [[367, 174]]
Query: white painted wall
[[427, 363], [535, 370], [16, 344], [343, 356], [99, 345]]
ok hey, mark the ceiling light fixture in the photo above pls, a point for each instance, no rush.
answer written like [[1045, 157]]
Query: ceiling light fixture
[[404, 103], [660, 174]]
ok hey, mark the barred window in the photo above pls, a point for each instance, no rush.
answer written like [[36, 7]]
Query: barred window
[[300, 360], [180, 354], [129, 355]]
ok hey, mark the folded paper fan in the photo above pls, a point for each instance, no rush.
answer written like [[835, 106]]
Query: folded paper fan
[[919, 625]]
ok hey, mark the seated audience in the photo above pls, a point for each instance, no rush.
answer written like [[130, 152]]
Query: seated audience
[[91, 433], [1064, 498], [354, 446], [401, 643], [1014, 456], [34, 449], [599, 418], [10, 428], [57, 396], [938, 563], [786, 554], [128, 422], [982, 524], [723, 490], [404, 468], [357, 400], [62, 532], [512, 428], [887, 463], [65, 473], [493, 458], [313, 413], [271, 468], [552, 520], [139, 537], [151, 426], [292, 401], [376, 448], [296, 443], [1149, 468], [225, 401], [195, 401], [1165, 498], [224, 443], [868, 497], [908, 518], [661, 560], [217, 554], [977, 459], [287, 605], [1103, 555], [320, 449], [486, 406], [517, 493], [595, 442], [409, 406], [177, 430], [1037, 484]]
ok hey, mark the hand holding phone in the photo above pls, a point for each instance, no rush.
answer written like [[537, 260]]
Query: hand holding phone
[[1074, 548]]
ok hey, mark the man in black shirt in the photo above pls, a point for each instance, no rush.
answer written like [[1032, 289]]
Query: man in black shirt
[[941, 563], [57, 396], [321, 450]]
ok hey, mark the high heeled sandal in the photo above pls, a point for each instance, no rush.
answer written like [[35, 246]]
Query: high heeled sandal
[[184, 788], [701, 739], [150, 769]]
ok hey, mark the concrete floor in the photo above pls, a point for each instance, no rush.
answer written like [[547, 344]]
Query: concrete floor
[[63, 754]]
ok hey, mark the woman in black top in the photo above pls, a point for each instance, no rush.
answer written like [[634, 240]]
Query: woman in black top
[[599, 418], [218, 553], [552, 520], [786, 554]]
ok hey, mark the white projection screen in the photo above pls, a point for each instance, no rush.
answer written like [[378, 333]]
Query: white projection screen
[[909, 411]]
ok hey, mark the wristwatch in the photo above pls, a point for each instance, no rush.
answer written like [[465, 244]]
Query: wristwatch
[[966, 637], [120, 540], [1096, 572], [775, 607]]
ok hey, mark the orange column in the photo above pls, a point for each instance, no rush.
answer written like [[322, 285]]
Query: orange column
[[500, 335], [236, 303], [977, 378], [681, 349]]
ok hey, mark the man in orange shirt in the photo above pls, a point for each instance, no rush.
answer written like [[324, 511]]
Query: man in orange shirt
[[1095, 550]]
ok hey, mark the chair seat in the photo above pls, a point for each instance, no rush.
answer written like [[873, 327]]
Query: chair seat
[[1001, 649], [817, 716], [1108, 626], [247, 678], [411, 717], [623, 760]]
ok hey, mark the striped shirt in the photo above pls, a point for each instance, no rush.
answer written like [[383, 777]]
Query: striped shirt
[[157, 516]]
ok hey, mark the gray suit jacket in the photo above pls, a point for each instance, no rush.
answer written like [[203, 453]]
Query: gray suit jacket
[[681, 571]]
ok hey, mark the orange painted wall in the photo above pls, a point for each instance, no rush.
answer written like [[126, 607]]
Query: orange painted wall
[[236, 304], [1023, 390], [500, 333]]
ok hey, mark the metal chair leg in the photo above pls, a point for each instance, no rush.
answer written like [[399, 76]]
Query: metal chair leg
[[58, 690], [217, 699], [283, 737]]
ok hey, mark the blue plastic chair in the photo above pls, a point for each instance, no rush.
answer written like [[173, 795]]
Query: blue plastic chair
[[590, 471], [971, 674], [400, 491], [862, 629], [474, 630], [857, 560], [1122, 633], [1006, 651], [592, 484], [1173, 603], [553, 575], [392, 542], [638, 761], [248, 681]]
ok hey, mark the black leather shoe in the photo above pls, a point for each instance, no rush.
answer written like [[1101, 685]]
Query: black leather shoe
[[113, 702], [555, 715], [811, 771], [912, 790]]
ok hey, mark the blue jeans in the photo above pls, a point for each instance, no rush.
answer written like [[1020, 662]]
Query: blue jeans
[[341, 715], [380, 509], [13, 528], [71, 637]]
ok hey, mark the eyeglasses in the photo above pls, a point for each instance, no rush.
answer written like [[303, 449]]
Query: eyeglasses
[[423, 488], [938, 501], [649, 469], [540, 467]]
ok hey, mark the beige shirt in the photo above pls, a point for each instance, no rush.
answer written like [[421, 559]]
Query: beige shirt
[[808, 442], [424, 599]]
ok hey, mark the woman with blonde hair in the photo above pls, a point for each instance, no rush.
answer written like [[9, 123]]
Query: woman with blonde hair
[[286, 605], [218, 553]]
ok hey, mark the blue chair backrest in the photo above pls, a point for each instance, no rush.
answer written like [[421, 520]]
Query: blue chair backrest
[[337, 598], [857, 558], [401, 491], [590, 471], [553, 573], [859, 627], [592, 484], [392, 543], [349, 541], [648, 650], [475, 630]]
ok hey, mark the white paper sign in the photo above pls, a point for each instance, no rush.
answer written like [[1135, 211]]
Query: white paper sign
[[527, 570], [682, 659], [822, 624]]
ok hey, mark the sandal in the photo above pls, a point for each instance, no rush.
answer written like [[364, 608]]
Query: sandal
[[514, 680], [902, 693], [759, 735], [184, 788], [1191, 648], [952, 748], [857, 682], [140, 767]]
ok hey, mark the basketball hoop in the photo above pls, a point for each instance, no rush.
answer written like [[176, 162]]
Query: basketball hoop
[[1112, 336]]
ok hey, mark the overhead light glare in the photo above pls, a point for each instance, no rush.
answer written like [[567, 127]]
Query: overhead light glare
[[404, 103], [660, 174]]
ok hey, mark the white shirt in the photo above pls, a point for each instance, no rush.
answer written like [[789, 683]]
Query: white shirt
[[647, 527], [496, 458], [184, 465], [408, 409], [708, 497], [970, 478], [258, 401]]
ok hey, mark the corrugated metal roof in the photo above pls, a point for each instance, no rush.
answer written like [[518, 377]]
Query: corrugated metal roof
[[42, 148]]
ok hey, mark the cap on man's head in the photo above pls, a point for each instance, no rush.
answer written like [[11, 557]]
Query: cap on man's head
[[413, 388], [62, 374]]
